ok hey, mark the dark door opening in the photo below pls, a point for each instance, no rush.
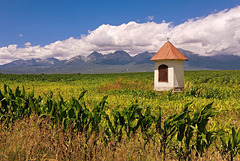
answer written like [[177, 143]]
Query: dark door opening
[[163, 73]]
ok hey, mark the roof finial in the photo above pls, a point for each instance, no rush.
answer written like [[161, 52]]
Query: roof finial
[[168, 39]]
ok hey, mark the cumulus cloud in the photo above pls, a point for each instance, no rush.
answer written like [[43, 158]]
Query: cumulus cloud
[[27, 44], [150, 18], [20, 35], [210, 35], [217, 33]]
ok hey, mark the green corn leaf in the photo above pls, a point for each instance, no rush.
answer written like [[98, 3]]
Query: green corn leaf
[[5, 91], [181, 131], [82, 95], [23, 92], [103, 102], [31, 94], [158, 121], [17, 92]]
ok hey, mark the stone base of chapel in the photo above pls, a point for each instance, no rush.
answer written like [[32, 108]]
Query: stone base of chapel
[[174, 89]]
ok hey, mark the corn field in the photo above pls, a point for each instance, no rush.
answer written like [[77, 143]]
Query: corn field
[[110, 110]]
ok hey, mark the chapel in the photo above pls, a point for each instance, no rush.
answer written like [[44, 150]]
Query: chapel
[[169, 68]]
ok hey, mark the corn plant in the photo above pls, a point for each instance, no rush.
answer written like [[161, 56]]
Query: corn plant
[[118, 123], [193, 134], [230, 144], [145, 122], [16, 105], [173, 125]]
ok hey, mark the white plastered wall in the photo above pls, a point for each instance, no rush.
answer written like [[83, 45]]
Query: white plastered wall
[[175, 75]]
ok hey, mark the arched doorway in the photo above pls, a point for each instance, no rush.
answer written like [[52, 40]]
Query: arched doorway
[[163, 73]]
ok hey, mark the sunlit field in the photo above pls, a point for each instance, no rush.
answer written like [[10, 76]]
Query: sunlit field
[[119, 117]]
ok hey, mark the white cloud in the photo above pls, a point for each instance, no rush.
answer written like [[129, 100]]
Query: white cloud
[[20, 35], [27, 44], [214, 34], [210, 35], [149, 18]]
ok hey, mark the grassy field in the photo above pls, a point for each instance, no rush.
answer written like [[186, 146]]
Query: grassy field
[[119, 117]]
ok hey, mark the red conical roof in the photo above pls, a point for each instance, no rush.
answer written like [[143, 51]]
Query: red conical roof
[[168, 51]]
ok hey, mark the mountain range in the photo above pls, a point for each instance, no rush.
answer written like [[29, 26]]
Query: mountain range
[[117, 62]]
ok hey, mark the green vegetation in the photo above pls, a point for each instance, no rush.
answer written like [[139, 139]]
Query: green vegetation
[[119, 116]]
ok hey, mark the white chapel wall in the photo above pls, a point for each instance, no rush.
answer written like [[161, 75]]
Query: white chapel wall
[[175, 74], [178, 73]]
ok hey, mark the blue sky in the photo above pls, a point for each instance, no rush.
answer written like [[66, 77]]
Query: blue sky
[[66, 28], [44, 21]]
